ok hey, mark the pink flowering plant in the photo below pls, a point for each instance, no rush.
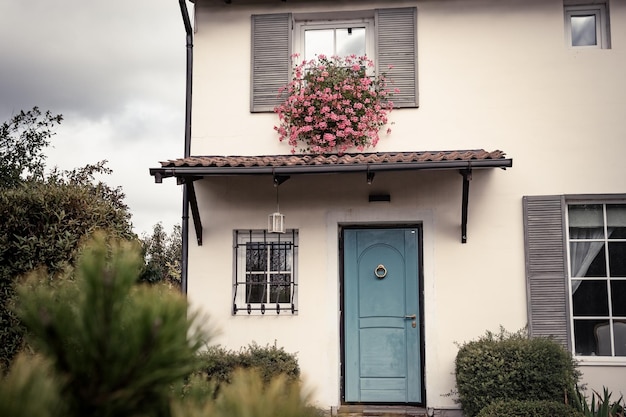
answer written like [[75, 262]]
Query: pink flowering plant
[[333, 105]]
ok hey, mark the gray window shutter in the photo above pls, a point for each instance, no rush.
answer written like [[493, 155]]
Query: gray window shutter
[[546, 268], [396, 40], [271, 59]]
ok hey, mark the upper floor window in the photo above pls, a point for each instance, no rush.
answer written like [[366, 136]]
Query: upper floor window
[[387, 36], [341, 38], [587, 26], [597, 270]]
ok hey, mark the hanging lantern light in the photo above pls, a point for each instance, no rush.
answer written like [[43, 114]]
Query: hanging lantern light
[[276, 221]]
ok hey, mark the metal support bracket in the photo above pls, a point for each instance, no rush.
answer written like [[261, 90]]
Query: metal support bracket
[[195, 213], [467, 176], [370, 176], [279, 179]]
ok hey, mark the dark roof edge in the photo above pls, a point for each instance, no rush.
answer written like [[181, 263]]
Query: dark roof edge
[[202, 171]]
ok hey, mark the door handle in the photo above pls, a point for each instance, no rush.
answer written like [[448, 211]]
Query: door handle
[[411, 317]]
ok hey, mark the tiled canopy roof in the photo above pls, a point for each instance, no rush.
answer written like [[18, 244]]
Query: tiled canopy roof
[[191, 168], [357, 162], [345, 159]]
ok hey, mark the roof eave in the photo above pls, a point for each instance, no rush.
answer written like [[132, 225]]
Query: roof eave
[[204, 171]]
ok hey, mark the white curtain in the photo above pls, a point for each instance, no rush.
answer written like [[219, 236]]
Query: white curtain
[[583, 253]]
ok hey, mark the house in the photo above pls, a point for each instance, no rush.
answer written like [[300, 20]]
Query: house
[[392, 256]]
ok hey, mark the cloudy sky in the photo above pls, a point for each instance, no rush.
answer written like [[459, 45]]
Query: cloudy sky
[[115, 70]]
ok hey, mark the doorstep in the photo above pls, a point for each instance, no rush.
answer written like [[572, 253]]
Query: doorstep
[[360, 410]]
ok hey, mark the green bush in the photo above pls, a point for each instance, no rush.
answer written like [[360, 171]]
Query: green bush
[[516, 408], [44, 226], [512, 366], [219, 364], [250, 395]]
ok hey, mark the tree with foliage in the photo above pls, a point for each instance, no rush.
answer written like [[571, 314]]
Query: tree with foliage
[[45, 220], [22, 140], [162, 254]]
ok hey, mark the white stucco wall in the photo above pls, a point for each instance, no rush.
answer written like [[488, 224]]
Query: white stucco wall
[[492, 75]]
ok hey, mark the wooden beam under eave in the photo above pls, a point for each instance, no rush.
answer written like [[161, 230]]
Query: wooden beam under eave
[[195, 213]]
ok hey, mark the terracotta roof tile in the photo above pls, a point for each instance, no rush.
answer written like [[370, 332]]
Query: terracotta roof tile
[[328, 160]]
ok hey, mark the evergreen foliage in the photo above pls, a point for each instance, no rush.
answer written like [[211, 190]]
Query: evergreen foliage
[[163, 254], [512, 366], [30, 389], [118, 348], [529, 408]]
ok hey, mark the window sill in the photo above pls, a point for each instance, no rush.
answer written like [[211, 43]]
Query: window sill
[[601, 361]]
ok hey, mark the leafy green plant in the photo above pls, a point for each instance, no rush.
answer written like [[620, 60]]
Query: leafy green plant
[[599, 405], [528, 408], [270, 362], [512, 366]]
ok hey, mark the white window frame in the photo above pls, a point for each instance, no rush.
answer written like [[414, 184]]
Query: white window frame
[[613, 359], [301, 26], [600, 11], [240, 273]]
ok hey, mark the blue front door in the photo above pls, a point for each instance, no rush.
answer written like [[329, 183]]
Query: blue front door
[[382, 360]]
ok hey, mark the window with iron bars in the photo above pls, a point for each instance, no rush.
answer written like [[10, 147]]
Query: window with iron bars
[[265, 272]]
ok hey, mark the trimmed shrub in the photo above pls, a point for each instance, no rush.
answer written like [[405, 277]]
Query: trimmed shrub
[[516, 408], [219, 364], [512, 366], [249, 395]]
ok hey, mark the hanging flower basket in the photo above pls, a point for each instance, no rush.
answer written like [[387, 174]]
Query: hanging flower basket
[[333, 105]]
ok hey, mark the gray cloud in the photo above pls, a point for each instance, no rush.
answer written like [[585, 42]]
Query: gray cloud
[[115, 70]]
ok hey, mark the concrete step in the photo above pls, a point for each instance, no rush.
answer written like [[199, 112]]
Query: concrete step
[[360, 410]]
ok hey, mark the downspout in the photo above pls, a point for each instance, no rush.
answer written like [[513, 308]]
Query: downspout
[[185, 215]]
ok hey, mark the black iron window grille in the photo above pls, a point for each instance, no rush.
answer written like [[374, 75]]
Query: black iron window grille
[[265, 272]]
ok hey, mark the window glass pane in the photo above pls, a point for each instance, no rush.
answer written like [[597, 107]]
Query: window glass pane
[[584, 30], [255, 288], [585, 339], [585, 221], [280, 257], [619, 330], [280, 288], [616, 220], [317, 42], [256, 257], [617, 259], [587, 259], [350, 41], [590, 298], [618, 298]]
